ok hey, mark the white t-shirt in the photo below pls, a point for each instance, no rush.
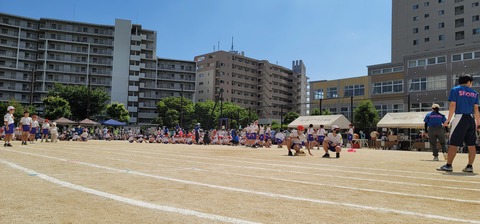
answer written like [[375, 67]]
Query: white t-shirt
[[45, 126], [8, 118], [26, 121], [337, 140], [350, 131], [280, 135], [262, 131], [34, 124], [310, 131], [295, 137], [321, 132]]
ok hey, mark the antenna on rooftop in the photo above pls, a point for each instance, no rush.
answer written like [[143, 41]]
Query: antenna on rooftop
[[74, 10], [218, 47], [231, 49], [213, 48]]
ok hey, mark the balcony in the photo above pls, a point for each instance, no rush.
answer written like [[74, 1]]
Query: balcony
[[134, 68], [133, 78], [133, 88], [134, 57], [136, 38], [132, 109], [133, 98], [135, 48]]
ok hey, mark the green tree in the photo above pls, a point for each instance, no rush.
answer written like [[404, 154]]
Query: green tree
[[315, 111], [117, 111], [365, 115], [56, 107], [290, 117], [326, 112], [84, 102], [168, 105]]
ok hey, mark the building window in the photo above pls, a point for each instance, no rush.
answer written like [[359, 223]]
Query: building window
[[460, 35], [426, 4], [427, 27], [415, 42], [441, 37], [427, 15], [419, 84], [459, 10], [441, 25], [440, 1], [475, 4], [332, 92], [476, 31], [457, 57], [415, 18], [415, 30], [427, 39], [318, 94], [415, 7], [459, 22], [354, 90], [441, 12], [476, 18]]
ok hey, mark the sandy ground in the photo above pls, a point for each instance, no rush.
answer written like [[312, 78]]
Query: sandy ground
[[119, 182]]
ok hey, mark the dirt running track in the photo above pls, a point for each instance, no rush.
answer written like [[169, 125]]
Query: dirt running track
[[119, 182]]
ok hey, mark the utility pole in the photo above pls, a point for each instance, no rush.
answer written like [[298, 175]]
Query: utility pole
[[320, 105], [351, 108], [88, 95], [281, 116], [32, 85], [181, 108]]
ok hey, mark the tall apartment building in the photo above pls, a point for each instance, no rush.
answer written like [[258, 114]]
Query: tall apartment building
[[121, 59], [433, 42], [251, 83]]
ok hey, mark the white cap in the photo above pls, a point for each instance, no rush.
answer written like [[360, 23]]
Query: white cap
[[10, 108], [334, 126]]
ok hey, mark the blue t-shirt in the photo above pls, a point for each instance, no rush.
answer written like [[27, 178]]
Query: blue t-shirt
[[465, 97], [434, 119]]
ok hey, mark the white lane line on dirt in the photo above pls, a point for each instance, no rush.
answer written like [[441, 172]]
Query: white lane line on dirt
[[303, 182], [310, 168], [266, 194], [282, 171], [127, 200]]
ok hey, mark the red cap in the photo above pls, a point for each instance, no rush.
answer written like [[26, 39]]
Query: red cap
[[300, 127]]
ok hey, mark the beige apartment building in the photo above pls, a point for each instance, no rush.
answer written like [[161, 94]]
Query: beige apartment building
[[339, 96], [121, 58], [433, 42], [265, 88]]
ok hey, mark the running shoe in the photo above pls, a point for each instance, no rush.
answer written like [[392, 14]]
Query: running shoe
[[338, 155], [468, 169], [435, 158], [445, 168], [326, 155]]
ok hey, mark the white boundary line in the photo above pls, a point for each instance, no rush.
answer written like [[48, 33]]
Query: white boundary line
[[304, 182], [266, 194], [304, 167], [282, 171], [127, 200]]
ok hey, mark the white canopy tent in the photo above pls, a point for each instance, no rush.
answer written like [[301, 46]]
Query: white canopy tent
[[413, 120], [327, 121]]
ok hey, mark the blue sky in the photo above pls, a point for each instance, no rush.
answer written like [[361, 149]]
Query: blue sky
[[335, 39]]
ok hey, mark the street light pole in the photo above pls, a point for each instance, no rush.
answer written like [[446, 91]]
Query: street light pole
[[320, 106], [351, 107], [88, 95]]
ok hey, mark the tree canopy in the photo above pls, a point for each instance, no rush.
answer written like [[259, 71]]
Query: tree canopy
[[56, 107], [366, 115], [84, 102], [117, 111]]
